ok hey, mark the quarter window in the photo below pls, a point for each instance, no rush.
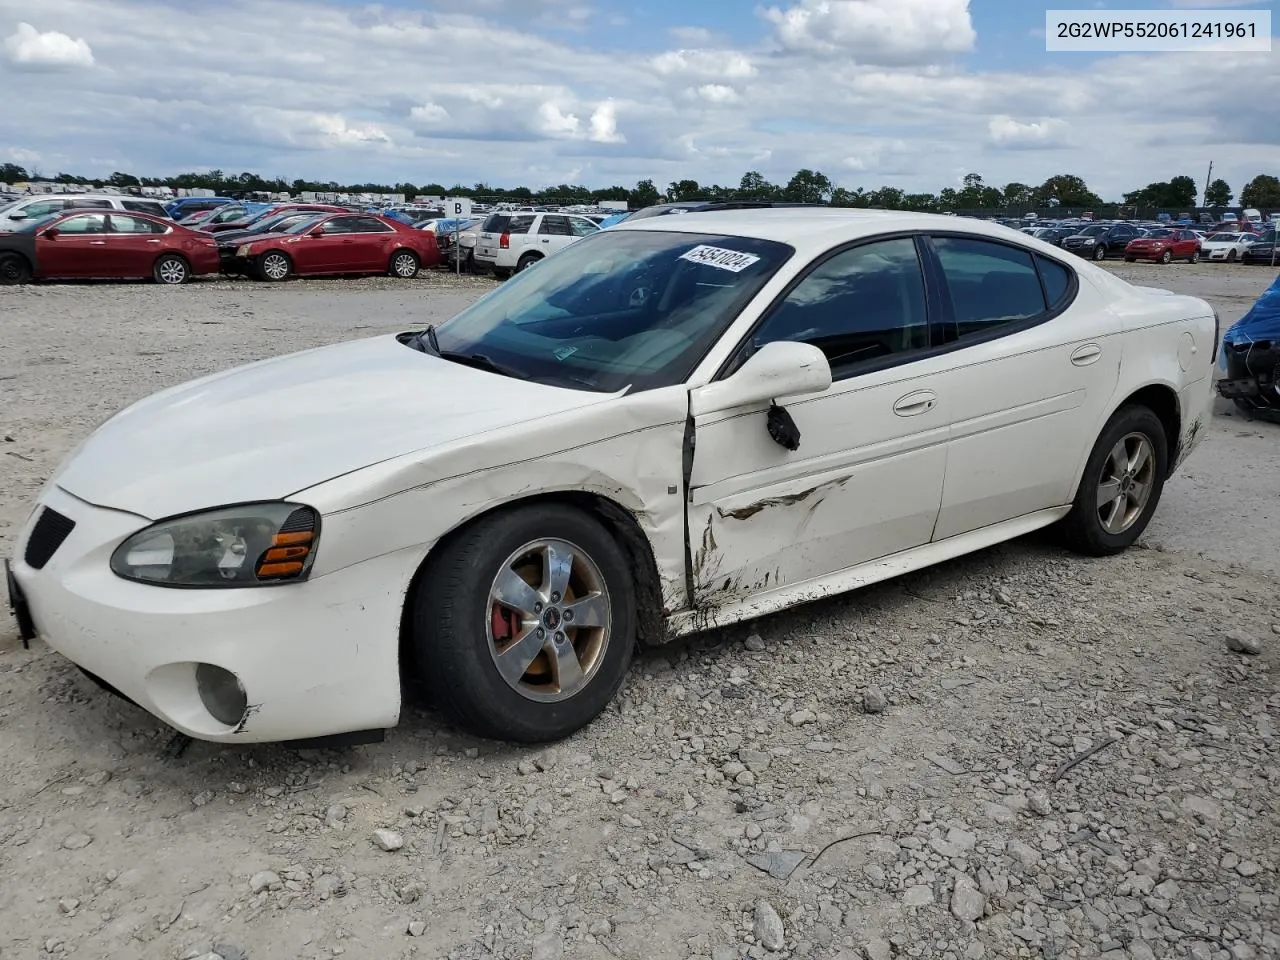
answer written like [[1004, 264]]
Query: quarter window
[[859, 307], [1057, 281]]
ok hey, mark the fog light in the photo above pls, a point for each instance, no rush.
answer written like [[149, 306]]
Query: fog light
[[221, 693]]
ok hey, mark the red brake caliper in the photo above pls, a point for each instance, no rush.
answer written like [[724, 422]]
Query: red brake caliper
[[503, 623]]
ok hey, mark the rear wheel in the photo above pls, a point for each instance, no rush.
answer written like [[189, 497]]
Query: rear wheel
[[1194, 258], [525, 625], [171, 270], [1121, 485], [404, 264], [274, 266], [14, 269], [527, 261]]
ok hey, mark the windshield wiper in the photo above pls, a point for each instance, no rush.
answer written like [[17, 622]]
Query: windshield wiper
[[481, 362], [425, 341]]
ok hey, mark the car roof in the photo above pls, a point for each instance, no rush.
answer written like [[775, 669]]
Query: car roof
[[814, 226]]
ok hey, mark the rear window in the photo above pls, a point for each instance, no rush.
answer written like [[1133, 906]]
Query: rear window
[[507, 223], [145, 206]]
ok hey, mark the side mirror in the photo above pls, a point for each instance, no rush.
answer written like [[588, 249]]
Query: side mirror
[[51, 233], [318, 232], [779, 369], [18, 215]]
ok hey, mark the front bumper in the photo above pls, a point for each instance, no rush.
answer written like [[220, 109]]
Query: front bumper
[[315, 659]]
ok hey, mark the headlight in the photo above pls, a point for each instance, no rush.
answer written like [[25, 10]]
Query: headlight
[[251, 545], [1089, 240], [242, 250]]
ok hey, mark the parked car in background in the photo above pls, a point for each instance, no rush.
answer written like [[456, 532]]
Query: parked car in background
[[340, 243], [1164, 246], [187, 206], [1053, 235], [105, 244], [1101, 240], [237, 212], [241, 223], [1262, 250], [1228, 247], [1249, 360], [648, 435], [511, 242], [17, 212], [230, 240]]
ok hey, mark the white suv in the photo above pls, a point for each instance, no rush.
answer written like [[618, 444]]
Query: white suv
[[511, 242], [15, 214]]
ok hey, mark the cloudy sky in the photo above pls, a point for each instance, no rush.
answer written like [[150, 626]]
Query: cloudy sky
[[909, 93]]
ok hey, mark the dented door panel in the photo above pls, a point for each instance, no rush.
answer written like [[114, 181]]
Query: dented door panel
[[866, 482]]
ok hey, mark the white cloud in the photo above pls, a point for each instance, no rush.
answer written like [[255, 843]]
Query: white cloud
[[604, 124], [554, 122], [875, 31], [715, 64], [430, 114], [718, 93], [21, 156], [28, 47], [1005, 131]]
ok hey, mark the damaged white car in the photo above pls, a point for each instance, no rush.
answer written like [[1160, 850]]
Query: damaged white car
[[672, 425]]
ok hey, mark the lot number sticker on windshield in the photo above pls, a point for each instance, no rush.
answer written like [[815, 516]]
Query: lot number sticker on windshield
[[720, 258]]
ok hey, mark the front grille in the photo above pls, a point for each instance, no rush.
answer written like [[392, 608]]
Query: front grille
[[51, 529]]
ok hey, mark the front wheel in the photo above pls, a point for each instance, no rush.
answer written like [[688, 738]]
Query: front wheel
[[1231, 256], [274, 266], [1121, 485], [524, 626], [14, 269], [1166, 257], [171, 270], [1099, 252], [404, 264]]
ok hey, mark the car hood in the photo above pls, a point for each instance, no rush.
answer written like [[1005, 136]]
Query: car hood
[[269, 429]]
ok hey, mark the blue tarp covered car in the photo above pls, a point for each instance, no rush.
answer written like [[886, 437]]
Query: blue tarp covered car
[[1249, 360]]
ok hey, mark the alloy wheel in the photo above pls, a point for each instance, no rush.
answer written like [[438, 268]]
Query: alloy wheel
[[548, 620], [404, 265], [275, 266], [1128, 476], [172, 270]]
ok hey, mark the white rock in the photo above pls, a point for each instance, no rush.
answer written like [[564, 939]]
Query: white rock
[[768, 926], [917, 896], [877, 950], [264, 880], [967, 901], [1243, 643], [388, 840], [416, 928], [1038, 802]]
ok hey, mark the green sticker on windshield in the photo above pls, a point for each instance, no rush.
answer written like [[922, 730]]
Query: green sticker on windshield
[[564, 353]]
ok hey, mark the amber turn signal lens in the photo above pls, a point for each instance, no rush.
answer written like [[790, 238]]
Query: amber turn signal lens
[[289, 553], [283, 539], [279, 569], [276, 554]]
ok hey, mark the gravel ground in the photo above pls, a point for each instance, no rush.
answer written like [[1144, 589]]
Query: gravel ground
[[886, 774]]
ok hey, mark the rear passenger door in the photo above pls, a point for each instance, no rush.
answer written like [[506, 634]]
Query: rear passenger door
[[133, 244], [1036, 361]]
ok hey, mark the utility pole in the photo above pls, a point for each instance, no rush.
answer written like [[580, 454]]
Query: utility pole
[[1205, 196]]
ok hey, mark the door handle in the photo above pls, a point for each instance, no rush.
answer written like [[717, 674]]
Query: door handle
[[1085, 355], [97, 243], [153, 241], [546, 241], [916, 403]]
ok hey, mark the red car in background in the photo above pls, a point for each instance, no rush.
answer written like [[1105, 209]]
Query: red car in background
[[342, 243], [105, 244], [1164, 246]]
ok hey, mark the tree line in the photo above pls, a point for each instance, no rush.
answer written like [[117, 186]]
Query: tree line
[[806, 186]]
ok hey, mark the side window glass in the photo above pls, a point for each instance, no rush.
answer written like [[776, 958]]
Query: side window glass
[[519, 225], [990, 284], [1056, 279], [554, 226], [858, 307], [44, 208], [89, 205], [88, 223], [339, 225], [123, 224], [582, 227], [370, 225]]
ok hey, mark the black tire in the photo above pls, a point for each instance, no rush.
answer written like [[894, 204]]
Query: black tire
[[1082, 528], [404, 265], [501, 273], [14, 269], [1166, 257], [1129, 259], [452, 611], [469, 264], [1099, 252], [1194, 258], [1231, 256], [527, 261], [269, 266], [171, 270]]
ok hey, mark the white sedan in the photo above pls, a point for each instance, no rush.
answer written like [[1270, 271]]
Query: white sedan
[[1226, 246], [675, 424]]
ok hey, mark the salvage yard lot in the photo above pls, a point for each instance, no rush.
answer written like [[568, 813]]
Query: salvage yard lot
[[924, 719]]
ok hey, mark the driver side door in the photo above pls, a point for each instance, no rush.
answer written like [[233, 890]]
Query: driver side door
[[867, 478]]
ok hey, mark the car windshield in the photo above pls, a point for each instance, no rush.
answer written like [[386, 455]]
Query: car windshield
[[617, 309], [1224, 238], [31, 226], [1096, 230]]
